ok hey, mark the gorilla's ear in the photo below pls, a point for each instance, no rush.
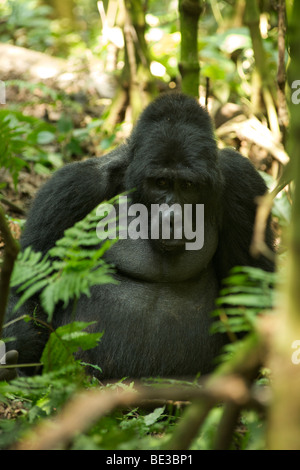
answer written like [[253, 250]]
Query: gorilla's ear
[[242, 184], [72, 192]]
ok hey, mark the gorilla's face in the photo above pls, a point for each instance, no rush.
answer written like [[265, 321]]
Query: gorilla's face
[[174, 171]]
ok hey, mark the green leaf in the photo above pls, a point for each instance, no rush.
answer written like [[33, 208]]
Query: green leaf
[[64, 342], [153, 417], [45, 137]]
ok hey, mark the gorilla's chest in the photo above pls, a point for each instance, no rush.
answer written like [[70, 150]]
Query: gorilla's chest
[[162, 299], [153, 328]]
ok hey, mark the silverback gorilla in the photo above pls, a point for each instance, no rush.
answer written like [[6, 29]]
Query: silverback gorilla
[[156, 320]]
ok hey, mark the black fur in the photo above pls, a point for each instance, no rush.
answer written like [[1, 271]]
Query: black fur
[[157, 319]]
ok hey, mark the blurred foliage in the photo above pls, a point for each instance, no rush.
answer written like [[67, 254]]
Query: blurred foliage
[[225, 52], [27, 24], [225, 55], [21, 139]]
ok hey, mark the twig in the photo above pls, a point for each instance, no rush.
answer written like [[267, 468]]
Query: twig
[[189, 426], [12, 205], [207, 91], [283, 118], [258, 245], [227, 426]]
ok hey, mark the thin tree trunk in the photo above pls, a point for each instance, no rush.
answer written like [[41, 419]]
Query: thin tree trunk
[[189, 12], [281, 75], [262, 86]]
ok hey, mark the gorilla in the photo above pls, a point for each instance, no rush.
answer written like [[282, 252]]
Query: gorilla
[[157, 318]]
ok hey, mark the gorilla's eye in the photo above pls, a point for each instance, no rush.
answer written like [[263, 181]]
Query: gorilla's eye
[[162, 183], [187, 185]]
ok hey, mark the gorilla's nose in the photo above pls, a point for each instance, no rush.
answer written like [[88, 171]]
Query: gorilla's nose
[[171, 220]]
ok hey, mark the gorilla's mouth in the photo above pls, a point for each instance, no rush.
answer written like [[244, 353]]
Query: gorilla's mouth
[[172, 245]]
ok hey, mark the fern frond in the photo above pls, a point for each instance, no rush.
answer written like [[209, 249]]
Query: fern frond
[[247, 292], [68, 270]]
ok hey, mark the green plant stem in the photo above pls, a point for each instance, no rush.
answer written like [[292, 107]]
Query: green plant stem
[[189, 12]]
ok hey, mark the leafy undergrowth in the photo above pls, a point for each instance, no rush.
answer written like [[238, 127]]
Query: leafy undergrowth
[[26, 402]]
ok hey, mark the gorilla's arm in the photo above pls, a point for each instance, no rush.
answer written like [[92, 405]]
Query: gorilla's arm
[[29, 338], [242, 184], [71, 193]]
